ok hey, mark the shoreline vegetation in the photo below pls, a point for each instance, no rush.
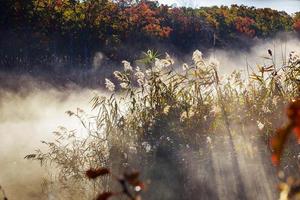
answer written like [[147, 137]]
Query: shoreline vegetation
[[189, 131], [69, 33]]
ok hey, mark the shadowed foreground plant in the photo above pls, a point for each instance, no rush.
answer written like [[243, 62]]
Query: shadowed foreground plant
[[281, 136], [3, 193], [290, 190], [130, 184]]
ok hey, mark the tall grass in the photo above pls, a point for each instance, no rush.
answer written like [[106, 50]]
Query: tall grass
[[156, 112]]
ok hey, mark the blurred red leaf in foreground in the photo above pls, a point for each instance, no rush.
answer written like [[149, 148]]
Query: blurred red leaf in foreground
[[297, 133], [132, 178], [94, 173], [129, 182], [277, 142], [104, 196]]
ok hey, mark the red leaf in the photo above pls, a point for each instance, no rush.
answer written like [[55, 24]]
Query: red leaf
[[94, 173], [297, 133], [293, 111], [132, 178], [277, 143], [140, 184], [275, 159], [104, 196]]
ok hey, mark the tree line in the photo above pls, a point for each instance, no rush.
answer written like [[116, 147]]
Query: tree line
[[34, 32]]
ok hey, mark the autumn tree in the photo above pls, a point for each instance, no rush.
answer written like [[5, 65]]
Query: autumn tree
[[144, 16], [244, 25], [74, 30], [296, 24]]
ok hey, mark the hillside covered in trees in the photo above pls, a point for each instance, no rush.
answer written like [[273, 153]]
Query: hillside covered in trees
[[70, 32]]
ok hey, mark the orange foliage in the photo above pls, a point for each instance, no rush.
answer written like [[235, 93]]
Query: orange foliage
[[243, 25], [59, 3], [296, 25], [185, 22], [144, 17]]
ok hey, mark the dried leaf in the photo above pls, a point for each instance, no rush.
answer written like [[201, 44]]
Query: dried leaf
[[30, 156], [269, 69], [70, 113]]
